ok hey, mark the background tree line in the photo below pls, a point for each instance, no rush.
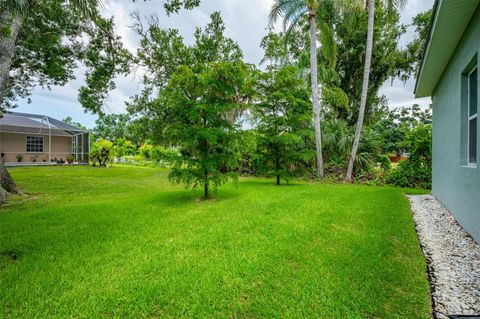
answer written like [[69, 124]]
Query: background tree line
[[211, 115]]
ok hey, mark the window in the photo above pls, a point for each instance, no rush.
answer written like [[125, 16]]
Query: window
[[34, 144], [472, 116]]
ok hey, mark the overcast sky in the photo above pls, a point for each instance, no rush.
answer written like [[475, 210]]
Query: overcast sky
[[246, 22]]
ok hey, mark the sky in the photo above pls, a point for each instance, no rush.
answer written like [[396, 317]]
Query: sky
[[246, 22]]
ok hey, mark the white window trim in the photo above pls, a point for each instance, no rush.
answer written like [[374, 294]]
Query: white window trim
[[43, 144], [471, 117]]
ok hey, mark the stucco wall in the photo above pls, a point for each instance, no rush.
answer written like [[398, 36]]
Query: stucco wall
[[456, 185], [13, 144]]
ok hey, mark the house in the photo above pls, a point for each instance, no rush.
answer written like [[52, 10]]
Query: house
[[29, 138], [449, 73]]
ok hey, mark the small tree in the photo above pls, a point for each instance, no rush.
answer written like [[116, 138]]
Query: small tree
[[284, 127], [101, 152], [196, 106]]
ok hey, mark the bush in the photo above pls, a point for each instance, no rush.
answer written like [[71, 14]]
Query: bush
[[146, 150], [416, 171], [101, 152]]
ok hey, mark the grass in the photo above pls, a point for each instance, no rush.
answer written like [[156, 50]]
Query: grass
[[124, 243]]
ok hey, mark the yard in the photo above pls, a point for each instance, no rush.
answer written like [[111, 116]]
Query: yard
[[123, 242]]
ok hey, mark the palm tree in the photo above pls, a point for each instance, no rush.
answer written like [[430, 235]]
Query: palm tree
[[366, 75], [292, 12]]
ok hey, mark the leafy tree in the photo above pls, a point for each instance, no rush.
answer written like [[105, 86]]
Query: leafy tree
[[395, 125], [101, 152], [284, 122], [123, 147], [292, 11], [146, 150], [161, 53], [112, 127], [196, 107], [27, 60], [416, 49], [388, 59], [70, 121]]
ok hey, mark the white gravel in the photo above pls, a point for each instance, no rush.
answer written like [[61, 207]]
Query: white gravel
[[453, 258]]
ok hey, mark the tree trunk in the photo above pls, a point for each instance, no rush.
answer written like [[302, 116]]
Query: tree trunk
[[363, 99], [3, 195], [6, 181], [205, 190], [205, 183], [316, 93], [7, 47]]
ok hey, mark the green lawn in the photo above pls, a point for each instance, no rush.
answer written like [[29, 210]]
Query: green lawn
[[124, 243]]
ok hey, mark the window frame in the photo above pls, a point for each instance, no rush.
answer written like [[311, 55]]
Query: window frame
[[34, 136], [471, 117]]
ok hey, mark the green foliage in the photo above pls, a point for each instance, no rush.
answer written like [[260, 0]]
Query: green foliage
[[337, 139], [416, 49], [388, 58], [71, 32], [416, 171], [284, 123], [101, 152], [123, 147], [197, 107], [146, 150], [70, 121], [395, 125], [112, 127]]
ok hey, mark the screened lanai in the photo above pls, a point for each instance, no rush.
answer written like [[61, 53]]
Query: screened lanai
[[39, 138]]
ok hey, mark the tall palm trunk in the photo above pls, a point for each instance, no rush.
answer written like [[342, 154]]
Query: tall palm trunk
[[363, 99], [316, 93], [13, 23]]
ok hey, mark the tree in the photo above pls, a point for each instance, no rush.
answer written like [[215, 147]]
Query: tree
[[124, 147], [162, 52], [112, 127], [292, 11], [366, 77], [284, 122], [69, 120], [101, 152], [395, 125], [27, 60], [196, 107]]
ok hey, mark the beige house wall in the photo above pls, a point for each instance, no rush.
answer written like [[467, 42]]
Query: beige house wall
[[12, 144]]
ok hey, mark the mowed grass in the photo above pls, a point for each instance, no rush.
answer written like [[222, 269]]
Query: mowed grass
[[124, 243]]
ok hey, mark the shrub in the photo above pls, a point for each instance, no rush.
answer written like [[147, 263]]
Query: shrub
[[146, 150], [101, 152], [416, 171]]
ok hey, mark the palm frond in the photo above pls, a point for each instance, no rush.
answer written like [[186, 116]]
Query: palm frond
[[287, 9]]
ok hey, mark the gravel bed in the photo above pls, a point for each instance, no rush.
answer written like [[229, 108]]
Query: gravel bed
[[453, 258]]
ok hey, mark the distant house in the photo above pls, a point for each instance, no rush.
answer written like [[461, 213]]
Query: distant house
[[450, 74], [31, 138]]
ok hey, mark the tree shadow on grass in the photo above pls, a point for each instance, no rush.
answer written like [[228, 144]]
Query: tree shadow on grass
[[190, 197]]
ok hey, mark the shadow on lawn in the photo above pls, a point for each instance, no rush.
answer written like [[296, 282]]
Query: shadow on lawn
[[190, 197]]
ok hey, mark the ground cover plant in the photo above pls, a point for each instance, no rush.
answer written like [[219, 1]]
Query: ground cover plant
[[124, 242]]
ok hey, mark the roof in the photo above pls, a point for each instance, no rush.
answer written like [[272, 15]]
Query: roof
[[34, 123], [450, 20]]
